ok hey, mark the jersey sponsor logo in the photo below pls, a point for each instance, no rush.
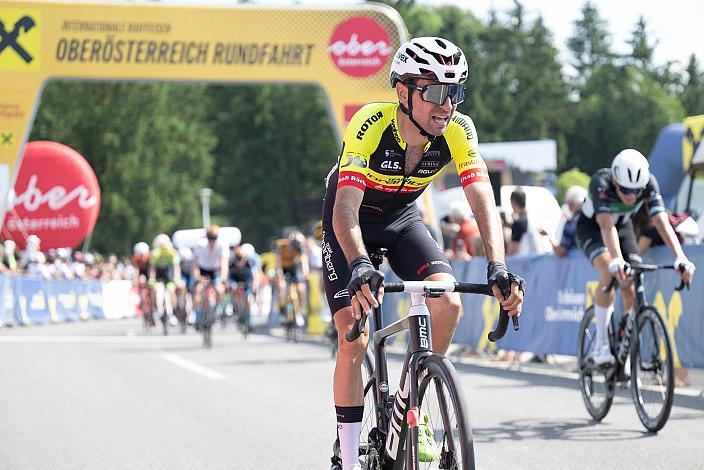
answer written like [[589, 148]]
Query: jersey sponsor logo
[[370, 120], [19, 40], [360, 46], [472, 162], [423, 171], [355, 160], [401, 57], [392, 154], [464, 124], [341, 293], [329, 266], [430, 163], [432, 154], [390, 165]]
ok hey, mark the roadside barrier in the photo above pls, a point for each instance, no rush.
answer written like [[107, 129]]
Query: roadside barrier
[[558, 291]]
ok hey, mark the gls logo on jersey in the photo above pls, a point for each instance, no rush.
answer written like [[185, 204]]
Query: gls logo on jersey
[[20, 39], [389, 165]]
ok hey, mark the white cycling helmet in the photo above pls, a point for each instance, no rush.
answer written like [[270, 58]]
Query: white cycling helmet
[[429, 57], [161, 241], [141, 248], [630, 169]]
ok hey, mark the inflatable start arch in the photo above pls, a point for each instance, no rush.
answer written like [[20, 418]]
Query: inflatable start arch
[[346, 51]]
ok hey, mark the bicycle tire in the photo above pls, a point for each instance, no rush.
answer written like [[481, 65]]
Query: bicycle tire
[[439, 371], [598, 404], [652, 343]]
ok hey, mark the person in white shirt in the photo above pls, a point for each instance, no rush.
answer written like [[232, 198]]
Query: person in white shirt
[[210, 260]]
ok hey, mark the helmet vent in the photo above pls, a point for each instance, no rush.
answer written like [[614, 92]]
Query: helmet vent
[[638, 176], [441, 43], [415, 57], [426, 72], [630, 175], [449, 74]]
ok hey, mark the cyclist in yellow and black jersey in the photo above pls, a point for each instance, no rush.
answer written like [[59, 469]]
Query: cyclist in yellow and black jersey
[[292, 266], [391, 152]]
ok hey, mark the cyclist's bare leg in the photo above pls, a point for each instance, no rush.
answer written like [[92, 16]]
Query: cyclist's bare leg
[[347, 379], [445, 314], [628, 294]]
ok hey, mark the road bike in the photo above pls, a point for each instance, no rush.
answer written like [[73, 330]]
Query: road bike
[[292, 311], [430, 394], [208, 310], [643, 353], [145, 305], [164, 309], [239, 298]]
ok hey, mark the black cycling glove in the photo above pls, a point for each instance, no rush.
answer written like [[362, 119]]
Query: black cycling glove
[[496, 273], [363, 272]]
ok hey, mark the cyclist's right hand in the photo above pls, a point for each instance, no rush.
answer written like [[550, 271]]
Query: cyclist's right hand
[[686, 269], [619, 268], [364, 280]]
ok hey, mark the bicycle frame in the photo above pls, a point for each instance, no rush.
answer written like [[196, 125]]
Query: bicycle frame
[[395, 425]]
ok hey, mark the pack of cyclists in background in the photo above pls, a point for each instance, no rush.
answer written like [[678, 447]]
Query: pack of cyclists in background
[[605, 234]]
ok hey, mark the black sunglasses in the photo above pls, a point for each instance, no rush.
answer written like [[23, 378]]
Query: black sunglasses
[[629, 191], [438, 92]]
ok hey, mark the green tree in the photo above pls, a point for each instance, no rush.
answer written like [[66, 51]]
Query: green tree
[[621, 107], [148, 145], [571, 177], [591, 44], [692, 95], [641, 47], [276, 147]]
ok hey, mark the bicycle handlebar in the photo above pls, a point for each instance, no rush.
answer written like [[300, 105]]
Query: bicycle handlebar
[[436, 288], [639, 268]]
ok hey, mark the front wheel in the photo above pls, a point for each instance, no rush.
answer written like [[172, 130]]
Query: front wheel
[[443, 417], [596, 384], [652, 370]]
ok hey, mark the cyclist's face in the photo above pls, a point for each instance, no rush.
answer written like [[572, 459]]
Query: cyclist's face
[[432, 117], [629, 198]]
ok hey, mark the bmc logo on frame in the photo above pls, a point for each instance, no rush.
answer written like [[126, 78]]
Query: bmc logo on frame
[[360, 46], [20, 39]]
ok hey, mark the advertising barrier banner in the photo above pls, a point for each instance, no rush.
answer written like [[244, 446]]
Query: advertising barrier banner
[[558, 291]]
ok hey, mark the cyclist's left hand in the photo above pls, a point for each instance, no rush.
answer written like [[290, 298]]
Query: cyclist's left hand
[[498, 276], [686, 269]]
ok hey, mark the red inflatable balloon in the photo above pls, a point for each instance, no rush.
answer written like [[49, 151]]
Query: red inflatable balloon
[[56, 197]]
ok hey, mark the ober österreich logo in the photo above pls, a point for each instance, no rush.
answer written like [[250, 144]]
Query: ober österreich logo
[[360, 46]]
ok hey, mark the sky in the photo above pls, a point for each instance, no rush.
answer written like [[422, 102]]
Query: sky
[[677, 24]]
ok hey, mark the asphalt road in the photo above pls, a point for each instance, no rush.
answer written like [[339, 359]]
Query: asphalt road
[[99, 395]]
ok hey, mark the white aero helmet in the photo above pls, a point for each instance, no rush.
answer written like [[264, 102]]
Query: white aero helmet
[[141, 248], [429, 57], [630, 169]]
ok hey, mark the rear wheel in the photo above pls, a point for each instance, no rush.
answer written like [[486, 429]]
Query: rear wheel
[[652, 370], [441, 401], [596, 384]]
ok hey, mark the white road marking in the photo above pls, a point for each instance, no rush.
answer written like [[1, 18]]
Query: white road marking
[[120, 339], [193, 367]]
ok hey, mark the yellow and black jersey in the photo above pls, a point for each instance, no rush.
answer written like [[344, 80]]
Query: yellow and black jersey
[[373, 159]]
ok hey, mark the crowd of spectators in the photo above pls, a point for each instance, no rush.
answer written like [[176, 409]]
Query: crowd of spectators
[[62, 263]]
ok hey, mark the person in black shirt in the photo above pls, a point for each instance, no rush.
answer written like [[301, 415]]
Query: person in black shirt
[[605, 233]]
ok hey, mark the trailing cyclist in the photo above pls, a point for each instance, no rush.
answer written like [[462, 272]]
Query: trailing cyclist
[[605, 234], [292, 267], [390, 153], [240, 280], [164, 267], [210, 263]]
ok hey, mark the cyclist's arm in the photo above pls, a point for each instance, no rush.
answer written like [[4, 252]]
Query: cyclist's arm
[[177, 270], [152, 271], [305, 265], [345, 222], [609, 234], [196, 269], [480, 196], [224, 261], [667, 233]]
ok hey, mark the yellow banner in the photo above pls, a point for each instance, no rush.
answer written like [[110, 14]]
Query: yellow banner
[[346, 51], [693, 136]]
